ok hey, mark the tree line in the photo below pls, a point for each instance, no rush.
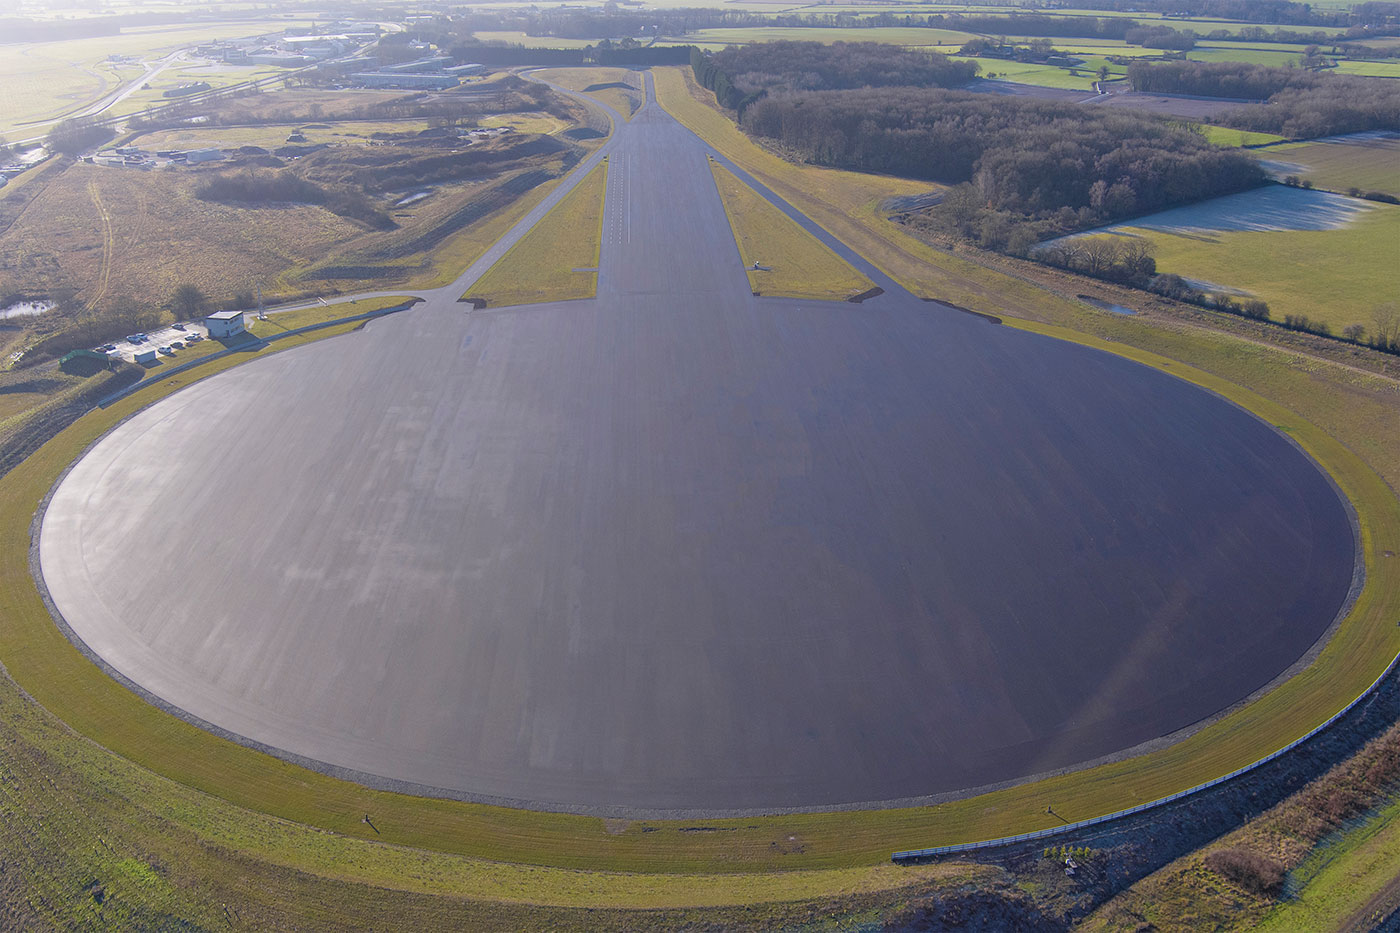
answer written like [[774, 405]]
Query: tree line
[[1298, 104], [1273, 12], [813, 66], [741, 75], [1217, 79], [575, 23]]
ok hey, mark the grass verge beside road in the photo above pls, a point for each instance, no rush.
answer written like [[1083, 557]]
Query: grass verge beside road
[[795, 263], [545, 265]]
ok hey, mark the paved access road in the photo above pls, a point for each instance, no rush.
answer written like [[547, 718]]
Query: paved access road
[[680, 548]]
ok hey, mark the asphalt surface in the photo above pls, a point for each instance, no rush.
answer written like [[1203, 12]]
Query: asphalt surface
[[680, 548]]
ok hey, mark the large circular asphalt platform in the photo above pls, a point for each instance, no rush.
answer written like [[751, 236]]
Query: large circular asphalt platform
[[680, 548]]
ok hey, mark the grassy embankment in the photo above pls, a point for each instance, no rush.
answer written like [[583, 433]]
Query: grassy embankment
[[1370, 164], [1335, 276], [1353, 881], [558, 259], [623, 100], [1333, 847], [796, 264]]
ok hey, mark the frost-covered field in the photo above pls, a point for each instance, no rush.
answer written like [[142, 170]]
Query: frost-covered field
[[1270, 208]]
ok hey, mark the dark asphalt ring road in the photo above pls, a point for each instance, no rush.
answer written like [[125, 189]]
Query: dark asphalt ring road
[[677, 548]]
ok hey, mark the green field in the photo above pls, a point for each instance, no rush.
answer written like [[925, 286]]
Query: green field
[[1340, 165], [545, 265], [1336, 276], [913, 37], [1369, 69], [1249, 56], [1080, 79], [1226, 136], [1105, 47], [215, 75], [48, 80]]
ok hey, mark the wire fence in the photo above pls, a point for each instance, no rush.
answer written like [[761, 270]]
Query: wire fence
[[915, 855]]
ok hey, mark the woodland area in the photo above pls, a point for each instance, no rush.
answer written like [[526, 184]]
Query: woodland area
[[1049, 166], [1300, 104], [740, 75]]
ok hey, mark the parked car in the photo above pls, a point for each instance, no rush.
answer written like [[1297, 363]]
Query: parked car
[[168, 351]]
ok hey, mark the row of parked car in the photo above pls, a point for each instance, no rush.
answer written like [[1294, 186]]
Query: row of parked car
[[168, 350]]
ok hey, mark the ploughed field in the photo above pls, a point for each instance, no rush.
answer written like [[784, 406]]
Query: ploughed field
[[681, 548]]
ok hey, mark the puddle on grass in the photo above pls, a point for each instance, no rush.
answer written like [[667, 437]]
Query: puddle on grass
[[1106, 305], [25, 309]]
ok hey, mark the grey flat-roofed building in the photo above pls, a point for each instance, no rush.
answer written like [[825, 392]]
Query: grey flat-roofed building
[[432, 63], [225, 324], [381, 79]]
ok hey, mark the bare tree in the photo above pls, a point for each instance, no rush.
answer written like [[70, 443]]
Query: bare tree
[[187, 302], [1100, 253], [1386, 321]]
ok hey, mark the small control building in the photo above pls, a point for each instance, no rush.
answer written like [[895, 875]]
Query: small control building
[[226, 324]]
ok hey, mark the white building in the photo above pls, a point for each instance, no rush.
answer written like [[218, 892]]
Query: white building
[[225, 324]]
